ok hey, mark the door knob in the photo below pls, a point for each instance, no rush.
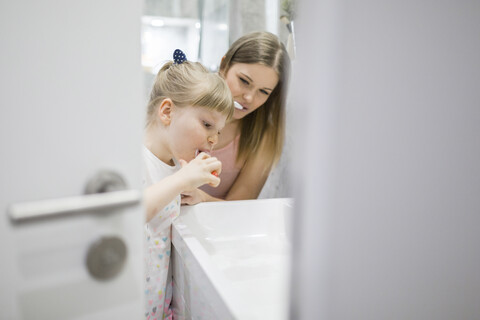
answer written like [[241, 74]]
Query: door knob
[[106, 257], [105, 181]]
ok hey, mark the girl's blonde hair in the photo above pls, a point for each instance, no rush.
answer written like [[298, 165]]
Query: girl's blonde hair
[[266, 124], [189, 84]]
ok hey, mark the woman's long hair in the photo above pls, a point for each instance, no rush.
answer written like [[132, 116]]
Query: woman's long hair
[[265, 126]]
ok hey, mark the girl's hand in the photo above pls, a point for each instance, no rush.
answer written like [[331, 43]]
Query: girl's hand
[[199, 172]]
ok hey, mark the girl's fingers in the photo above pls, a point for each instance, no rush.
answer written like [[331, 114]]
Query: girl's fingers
[[211, 159], [215, 166], [214, 181], [206, 157], [210, 164], [203, 156]]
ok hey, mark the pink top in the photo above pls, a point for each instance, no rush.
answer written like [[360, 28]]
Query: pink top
[[230, 169]]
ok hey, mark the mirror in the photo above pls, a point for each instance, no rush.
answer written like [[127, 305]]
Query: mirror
[[204, 29]]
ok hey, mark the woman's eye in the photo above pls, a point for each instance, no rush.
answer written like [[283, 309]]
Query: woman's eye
[[206, 124], [244, 81], [264, 92]]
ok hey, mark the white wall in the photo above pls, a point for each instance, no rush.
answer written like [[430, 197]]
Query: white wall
[[387, 159]]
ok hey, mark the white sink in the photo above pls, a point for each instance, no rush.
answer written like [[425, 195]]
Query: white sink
[[231, 259]]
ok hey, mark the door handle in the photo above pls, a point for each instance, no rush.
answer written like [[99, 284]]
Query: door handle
[[19, 212], [105, 190]]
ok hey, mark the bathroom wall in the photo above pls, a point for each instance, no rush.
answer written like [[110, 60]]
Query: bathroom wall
[[214, 33], [246, 16], [172, 8]]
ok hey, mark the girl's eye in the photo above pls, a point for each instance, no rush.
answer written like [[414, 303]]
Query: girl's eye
[[206, 124], [244, 81]]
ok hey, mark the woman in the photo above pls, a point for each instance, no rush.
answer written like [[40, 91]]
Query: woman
[[256, 69]]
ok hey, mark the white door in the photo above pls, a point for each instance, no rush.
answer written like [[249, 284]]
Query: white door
[[70, 108]]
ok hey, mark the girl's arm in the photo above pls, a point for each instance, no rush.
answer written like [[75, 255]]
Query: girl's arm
[[192, 175], [158, 195], [247, 185]]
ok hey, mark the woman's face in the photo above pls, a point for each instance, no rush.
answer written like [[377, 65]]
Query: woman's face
[[251, 85]]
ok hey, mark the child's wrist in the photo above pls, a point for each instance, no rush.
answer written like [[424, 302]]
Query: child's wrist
[[181, 181]]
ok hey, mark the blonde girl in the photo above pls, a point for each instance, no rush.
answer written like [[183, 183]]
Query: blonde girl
[[187, 109]]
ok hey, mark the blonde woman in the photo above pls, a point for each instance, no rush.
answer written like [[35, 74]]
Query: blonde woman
[[256, 69]]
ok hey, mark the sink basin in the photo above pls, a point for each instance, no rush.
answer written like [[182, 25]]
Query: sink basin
[[231, 260]]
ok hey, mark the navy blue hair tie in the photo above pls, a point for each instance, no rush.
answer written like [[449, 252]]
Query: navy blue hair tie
[[179, 57]]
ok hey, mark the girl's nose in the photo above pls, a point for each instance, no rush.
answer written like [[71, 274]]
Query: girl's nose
[[212, 140]]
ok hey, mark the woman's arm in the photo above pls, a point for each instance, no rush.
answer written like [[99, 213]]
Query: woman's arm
[[252, 177], [197, 196]]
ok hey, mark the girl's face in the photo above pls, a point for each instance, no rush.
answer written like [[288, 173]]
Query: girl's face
[[251, 85], [194, 128]]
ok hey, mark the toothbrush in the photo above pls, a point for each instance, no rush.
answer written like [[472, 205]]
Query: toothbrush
[[237, 105]]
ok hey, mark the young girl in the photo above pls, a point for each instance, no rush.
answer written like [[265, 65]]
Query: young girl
[[256, 68], [187, 109]]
